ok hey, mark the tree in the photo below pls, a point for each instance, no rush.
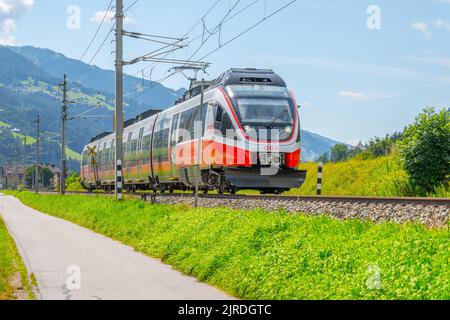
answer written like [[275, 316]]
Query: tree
[[425, 150], [380, 147], [339, 153], [44, 173], [325, 158]]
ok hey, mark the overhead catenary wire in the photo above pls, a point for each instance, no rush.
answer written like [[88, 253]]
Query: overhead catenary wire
[[186, 34], [191, 40], [97, 52], [95, 35], [105, 39], [204, 41], [248, 29], [266, 17]]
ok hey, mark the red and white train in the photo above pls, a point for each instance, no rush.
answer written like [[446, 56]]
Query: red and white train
[[250, 139]]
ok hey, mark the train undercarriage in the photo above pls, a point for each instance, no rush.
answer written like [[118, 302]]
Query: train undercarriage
[[223, 180]]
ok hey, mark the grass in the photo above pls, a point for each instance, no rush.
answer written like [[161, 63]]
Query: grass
[[382, 177], [72, 155], [30, 140], [11, 266], [260, 255]]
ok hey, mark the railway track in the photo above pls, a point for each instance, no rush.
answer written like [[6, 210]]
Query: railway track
[[345, 199], [147, 196], [432, 212]]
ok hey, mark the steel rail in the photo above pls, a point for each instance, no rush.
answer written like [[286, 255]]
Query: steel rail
[[335, 199]]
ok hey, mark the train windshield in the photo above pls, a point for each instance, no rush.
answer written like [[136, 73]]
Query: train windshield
[[262, 107]]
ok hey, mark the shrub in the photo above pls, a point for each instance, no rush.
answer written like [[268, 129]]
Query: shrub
[[425, 150]]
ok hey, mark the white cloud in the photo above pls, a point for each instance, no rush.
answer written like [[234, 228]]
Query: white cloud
[[7, 29], [109, 18], [369, 96], [357, 96], [423, 28], [441, 23], [10, 10]]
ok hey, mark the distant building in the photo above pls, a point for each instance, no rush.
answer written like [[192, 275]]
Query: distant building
[[12, 176], [360, 146]]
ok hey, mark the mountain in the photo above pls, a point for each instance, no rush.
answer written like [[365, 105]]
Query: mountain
[[29, 79], [315, 145], [156, 95]]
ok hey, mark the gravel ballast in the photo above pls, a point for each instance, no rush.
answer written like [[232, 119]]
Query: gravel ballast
[[433, 216]]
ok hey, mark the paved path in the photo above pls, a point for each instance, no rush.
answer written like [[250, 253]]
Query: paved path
[[109, 269]]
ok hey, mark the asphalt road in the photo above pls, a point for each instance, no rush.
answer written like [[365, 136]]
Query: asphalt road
[[73, 263]]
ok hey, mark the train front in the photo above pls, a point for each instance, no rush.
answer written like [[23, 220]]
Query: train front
[[268, 126]]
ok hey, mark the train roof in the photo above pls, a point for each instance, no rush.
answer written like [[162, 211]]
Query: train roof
[[101, 136], [236, 76], [250, 76]]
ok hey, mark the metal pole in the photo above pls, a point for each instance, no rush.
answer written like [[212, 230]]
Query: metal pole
[[199, 143], [62, 180], [16, 185], [319, 179], [36, 168], [24, 171], [119, 98]]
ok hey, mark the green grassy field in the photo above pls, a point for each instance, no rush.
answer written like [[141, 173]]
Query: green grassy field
[[260, 255], [382, 177], [11, 266]]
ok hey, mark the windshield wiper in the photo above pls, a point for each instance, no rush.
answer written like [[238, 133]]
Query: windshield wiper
[[270, 124]]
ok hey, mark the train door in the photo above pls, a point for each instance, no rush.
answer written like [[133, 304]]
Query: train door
[[112, 161], [172, 147], [160, 153], [183, 145], [127, 147], [139, 153]]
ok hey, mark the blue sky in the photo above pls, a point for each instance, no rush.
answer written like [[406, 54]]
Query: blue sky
[[354, 83]]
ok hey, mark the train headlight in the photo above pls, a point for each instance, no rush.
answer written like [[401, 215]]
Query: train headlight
[[288, 130], [248, 129]]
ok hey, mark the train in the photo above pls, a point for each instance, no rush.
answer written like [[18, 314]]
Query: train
[[238, 132]]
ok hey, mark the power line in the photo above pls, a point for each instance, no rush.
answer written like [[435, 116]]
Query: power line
[[185, 35], [223, 45], [97, 52], [104, 40], [249, 29], [130, 6], [204, 41], [96, 32]]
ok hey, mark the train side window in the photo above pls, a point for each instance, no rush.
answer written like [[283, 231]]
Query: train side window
[[185, 124], [112, 154], [85, 158], [227, 125], [223, 121], [219, 113], [173, 134], [105, 154]]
